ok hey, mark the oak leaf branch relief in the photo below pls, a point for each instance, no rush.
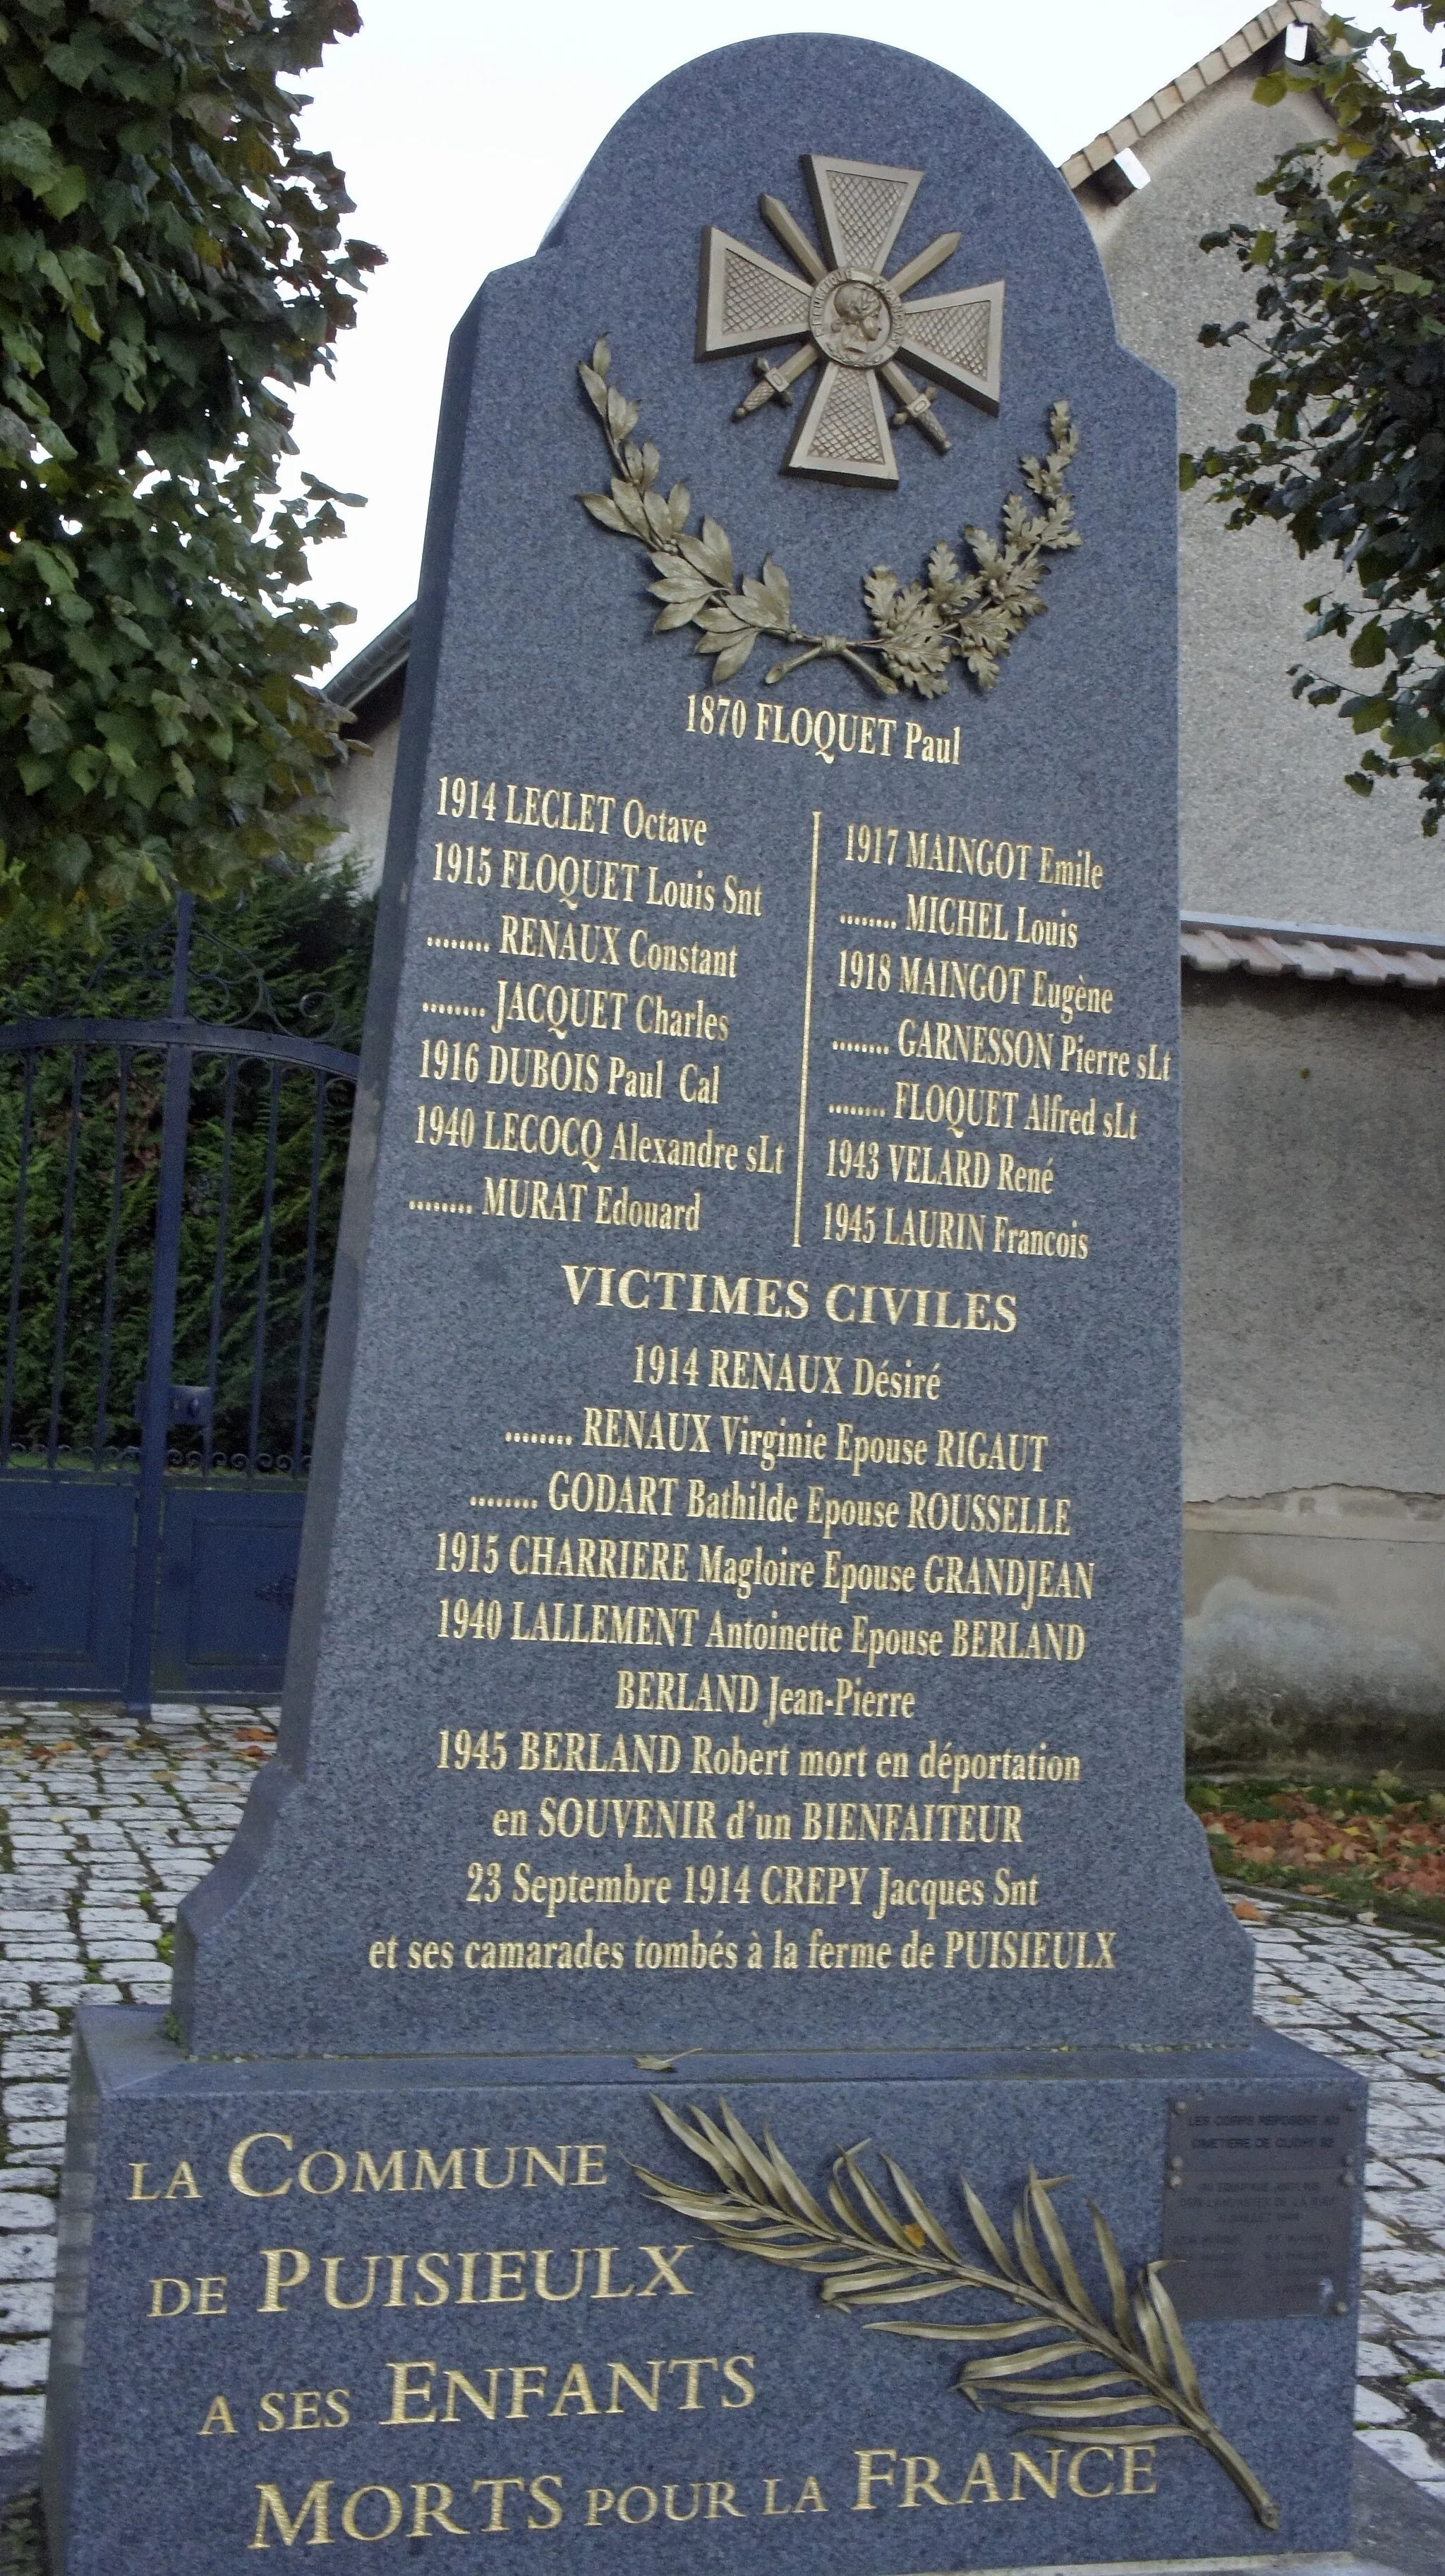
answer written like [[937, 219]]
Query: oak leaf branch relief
[[1138, 2381], [967, 612]]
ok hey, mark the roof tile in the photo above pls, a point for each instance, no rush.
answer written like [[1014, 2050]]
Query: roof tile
[[1214, 945], [1238, 49]]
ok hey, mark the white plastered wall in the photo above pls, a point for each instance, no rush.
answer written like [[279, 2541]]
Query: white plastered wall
[[361, 799], [1268, 830]]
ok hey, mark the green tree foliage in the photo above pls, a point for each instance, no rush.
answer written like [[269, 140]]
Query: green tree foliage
[[170, 263], [1346, 440], [291, 952]]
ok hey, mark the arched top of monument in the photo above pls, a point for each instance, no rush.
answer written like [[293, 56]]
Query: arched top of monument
[[712, 137], [843, 287]]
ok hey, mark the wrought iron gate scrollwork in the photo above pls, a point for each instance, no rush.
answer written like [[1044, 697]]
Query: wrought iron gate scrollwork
[[148, 1544]]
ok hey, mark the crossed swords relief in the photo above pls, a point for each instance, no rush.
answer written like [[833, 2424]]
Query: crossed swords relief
[[852, 321]]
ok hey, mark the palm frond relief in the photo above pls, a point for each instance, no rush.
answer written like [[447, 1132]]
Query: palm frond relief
[[955, 612], [1139, 2381]]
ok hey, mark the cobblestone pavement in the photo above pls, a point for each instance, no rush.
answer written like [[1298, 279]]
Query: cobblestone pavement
[[1374, 1998], [107, 1820], [106, 1823]]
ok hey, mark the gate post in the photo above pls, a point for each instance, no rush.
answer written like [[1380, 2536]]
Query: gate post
[[156, 1398]]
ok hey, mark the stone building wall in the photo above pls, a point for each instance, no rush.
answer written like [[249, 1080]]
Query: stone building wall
[[1314, 1317]]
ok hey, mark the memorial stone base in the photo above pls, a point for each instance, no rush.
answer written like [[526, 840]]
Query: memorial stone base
[[370, 2305]]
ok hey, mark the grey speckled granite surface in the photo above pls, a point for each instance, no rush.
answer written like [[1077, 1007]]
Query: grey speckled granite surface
[[503, 1873], [491, 1376]]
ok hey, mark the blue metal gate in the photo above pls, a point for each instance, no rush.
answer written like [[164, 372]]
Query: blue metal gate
[[173, 1191]]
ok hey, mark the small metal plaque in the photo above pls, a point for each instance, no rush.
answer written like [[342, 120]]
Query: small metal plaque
[[1259, 2203]]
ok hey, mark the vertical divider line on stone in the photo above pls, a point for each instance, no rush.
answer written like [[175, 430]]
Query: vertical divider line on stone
[[807, 1034]]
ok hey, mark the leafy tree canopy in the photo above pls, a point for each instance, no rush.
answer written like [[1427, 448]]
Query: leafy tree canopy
[[289, 950], [1346, 440], [170, 261]]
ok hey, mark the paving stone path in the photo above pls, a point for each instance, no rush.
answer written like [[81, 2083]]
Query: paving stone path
[[106, 1820], [1374, 1998]]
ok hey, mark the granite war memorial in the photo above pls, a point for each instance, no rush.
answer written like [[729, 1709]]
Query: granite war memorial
[[718, 2029]]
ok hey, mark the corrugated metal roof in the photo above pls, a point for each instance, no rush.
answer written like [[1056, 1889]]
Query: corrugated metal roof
[[1215, 944], [1229, 57]]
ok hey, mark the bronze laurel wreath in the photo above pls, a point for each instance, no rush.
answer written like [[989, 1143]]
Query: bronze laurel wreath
[[919, 627], [870, 2257]]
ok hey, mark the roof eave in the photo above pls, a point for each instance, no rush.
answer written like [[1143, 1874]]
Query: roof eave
[[1238, 50]]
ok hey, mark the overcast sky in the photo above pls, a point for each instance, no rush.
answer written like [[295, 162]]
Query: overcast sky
[[463, 124]]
